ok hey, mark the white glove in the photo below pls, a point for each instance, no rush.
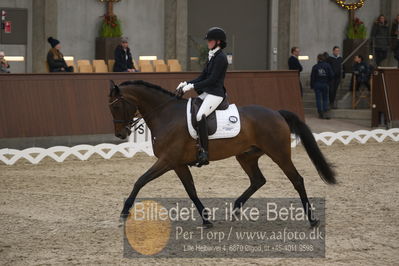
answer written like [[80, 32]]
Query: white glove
[[188, 87], [181, 85]]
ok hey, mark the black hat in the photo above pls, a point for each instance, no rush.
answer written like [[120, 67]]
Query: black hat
[[216, 33], [53, 42]]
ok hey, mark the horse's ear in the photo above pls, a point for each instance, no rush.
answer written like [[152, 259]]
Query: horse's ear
[[113, 89]]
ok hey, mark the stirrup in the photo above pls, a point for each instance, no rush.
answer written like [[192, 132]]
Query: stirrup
[[202, 158]]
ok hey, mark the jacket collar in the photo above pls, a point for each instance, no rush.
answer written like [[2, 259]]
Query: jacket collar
[[213, 52], [216, 54]]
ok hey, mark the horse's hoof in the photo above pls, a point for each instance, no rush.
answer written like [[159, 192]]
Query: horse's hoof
[[124, 216], [236, 215], [122, 221], [314, 223], [207, 225]]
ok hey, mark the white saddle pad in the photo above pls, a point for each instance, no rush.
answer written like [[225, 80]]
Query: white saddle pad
[[228, 122]]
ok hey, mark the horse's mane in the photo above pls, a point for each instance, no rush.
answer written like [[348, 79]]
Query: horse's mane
[[149, 85]]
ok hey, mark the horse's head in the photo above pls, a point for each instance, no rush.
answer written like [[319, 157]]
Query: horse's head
[[122, 110]]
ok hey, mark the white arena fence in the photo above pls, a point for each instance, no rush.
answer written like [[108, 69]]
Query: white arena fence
[[140, 141]]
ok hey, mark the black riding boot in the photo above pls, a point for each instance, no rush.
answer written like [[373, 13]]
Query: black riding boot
[[202, 131]]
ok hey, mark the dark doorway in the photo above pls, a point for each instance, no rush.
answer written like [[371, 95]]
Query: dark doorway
[[246, 24]]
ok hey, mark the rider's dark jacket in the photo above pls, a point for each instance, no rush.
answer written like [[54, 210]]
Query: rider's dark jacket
[[212, 77]]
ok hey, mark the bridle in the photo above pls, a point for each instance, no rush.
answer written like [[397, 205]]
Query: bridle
[[131, 123]]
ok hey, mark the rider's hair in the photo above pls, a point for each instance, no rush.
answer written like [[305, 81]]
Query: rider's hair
[[222, 44]]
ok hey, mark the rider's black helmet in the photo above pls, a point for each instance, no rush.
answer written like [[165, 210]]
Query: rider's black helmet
[[217, 34]]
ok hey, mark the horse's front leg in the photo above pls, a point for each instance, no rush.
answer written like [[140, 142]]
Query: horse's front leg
[[158, 169], [187, 179]]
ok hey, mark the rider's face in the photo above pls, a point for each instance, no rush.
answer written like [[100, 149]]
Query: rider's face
[[125, 45], [211, 44]]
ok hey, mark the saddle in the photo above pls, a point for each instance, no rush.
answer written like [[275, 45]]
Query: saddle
[[211, 119]]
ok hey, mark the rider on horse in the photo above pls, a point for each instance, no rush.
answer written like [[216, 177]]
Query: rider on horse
[[210, 87]]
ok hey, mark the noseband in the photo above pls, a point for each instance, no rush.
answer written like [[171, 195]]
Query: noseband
[[130, 122]]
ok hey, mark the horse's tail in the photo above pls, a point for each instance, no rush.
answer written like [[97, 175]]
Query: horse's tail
[[302, 130]]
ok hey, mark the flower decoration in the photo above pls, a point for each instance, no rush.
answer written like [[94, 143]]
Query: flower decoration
[[350, 6]]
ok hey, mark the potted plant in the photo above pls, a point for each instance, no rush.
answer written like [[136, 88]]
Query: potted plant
[[110, 33], [110, 27], [356, 34]]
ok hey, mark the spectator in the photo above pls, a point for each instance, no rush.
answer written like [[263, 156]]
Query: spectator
[[362, 72], [320, 79], [4, 66], [335, 61], [395, 38], [123, 58], [380, 38], [55, 59], [293, 64]]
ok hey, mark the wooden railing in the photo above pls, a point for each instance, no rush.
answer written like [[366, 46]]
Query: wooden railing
[[64, 104]]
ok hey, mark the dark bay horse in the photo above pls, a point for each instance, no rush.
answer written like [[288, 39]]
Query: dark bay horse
[[263, 131]]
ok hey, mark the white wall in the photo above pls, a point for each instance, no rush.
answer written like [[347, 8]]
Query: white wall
[[20, 50], [142, 21], [325, 24]]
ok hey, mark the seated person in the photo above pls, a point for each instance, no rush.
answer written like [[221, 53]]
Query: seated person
[[123, 58], [4, 66], [55, 59], [362, 72]]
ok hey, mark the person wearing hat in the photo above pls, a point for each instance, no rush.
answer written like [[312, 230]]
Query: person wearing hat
[[4, 66], [210, 87], [55, 59], [123, 57]]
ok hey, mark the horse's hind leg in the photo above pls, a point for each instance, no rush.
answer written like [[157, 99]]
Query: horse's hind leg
[[187, 179], [296, 179], [158, 169], [249, 162]]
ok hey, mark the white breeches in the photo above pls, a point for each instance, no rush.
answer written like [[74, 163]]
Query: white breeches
[[209, 104]]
